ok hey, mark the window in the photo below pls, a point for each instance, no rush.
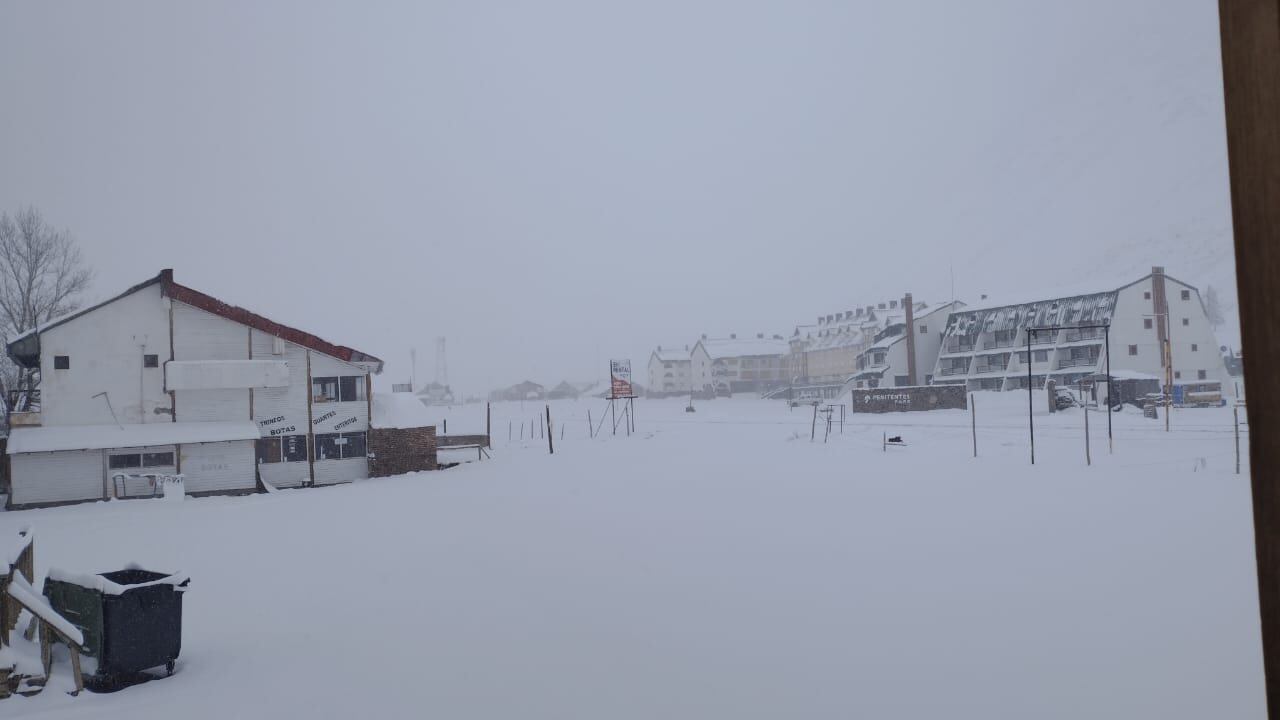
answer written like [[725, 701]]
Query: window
[[1133, 349], [1186, 294], [124, 462], [351, 388], [1146, 323], [287, 448], [1146, 295], [150, 361], [1195, 347], [666, 365], [324, 389], [157, 459], [1202, 374], [335, 446], [879, 358], [129, 461], [61, 362], [1177, 374], [924, 329], [1041, 356], [900, 380]]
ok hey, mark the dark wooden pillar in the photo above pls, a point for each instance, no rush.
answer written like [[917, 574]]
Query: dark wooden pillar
[[1251, 78]]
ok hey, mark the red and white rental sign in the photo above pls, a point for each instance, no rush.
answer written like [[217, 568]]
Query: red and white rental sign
[[620, 379]]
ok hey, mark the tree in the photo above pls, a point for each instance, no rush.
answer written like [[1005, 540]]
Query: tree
[[1213, 307], [42, 276]]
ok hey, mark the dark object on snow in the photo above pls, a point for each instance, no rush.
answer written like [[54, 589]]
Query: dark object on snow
[[690, 409], [137, 629], [896, 439]]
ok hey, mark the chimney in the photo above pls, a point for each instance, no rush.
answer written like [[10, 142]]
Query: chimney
[[893, 304], [819, 319], [870, 308], [881, 306], [1160, 308], [859, 312], [829, 317], [911, 338], [733, 336], [704, 336], [848, 314], [759, 336], [984, 296]]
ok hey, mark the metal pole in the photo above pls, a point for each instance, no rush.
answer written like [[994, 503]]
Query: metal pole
[[813, 427], [973, 421], [613, 410], [488, 424], [1111, 445], [1088, 460], [551, 445], [1236, 412], [1031, 421], [590, 428], [842, 417]]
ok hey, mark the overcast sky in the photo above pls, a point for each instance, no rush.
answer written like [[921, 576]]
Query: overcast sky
[[549, 184]]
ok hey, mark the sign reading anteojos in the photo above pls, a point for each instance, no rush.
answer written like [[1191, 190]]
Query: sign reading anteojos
[[620, 379], [903, 399]]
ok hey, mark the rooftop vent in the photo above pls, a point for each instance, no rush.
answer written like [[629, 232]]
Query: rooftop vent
[[984, 296]]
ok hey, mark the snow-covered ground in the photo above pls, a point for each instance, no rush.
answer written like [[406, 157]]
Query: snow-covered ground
[[714, 565]]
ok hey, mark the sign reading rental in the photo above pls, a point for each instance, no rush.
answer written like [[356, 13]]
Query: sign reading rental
[[620, 379]]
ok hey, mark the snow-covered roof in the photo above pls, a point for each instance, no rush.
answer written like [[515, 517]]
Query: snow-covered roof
[[399, 410], [100, 437], [110, 587], [666, 353], [1080, 309], [718, 348]]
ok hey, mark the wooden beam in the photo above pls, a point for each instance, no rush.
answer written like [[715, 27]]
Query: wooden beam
[[1250, 31]]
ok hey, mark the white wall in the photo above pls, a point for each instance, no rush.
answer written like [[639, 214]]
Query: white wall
[[56, 476], [219, 466], [105, 348], [1127, 329], [200, 335]]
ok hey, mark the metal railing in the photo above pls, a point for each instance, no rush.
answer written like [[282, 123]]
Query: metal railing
[[1007, 342], [1078, 335], [1078, 362], [954, 371]]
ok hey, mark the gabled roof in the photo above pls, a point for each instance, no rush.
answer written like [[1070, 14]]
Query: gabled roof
[[717, 348], [26, 346]]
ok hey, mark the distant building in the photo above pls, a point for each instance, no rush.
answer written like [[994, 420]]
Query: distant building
[[985, 346], [723, 366], [905, 350], [527, 390], [435, 393], [564, 391], [670, 370]]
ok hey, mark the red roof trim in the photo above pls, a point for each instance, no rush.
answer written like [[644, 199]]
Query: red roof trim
[[210, 304]]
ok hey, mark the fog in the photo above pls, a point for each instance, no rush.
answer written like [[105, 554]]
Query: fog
[[552, 184]]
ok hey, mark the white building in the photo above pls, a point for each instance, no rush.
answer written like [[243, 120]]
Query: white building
[[723, 366], [905, 349], [985, 346], [164, 379], [669, 370]]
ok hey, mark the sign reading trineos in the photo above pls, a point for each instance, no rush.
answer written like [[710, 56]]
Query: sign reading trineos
[[909, 399]]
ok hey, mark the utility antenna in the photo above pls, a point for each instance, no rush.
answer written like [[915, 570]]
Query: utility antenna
[[442, 362]]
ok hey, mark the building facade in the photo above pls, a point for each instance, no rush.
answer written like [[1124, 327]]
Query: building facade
[[905, 350], [1156, 322], [723, 366], [164, 379], [670, 371]]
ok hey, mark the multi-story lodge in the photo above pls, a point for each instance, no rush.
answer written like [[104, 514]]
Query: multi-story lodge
[[905, 349], [723, 366], [669, 370], [985, 347], [163, 379], [859, 346]]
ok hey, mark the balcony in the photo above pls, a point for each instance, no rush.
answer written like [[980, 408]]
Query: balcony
[[954, 371], [1079, 335], [1077, 362]]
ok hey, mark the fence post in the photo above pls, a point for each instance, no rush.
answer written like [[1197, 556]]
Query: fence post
[[551, 447], [1088, 460]]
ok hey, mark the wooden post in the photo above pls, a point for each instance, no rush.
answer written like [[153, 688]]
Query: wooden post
[[551, 447], [1250, 31], [973, 421], [1088, 460]]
